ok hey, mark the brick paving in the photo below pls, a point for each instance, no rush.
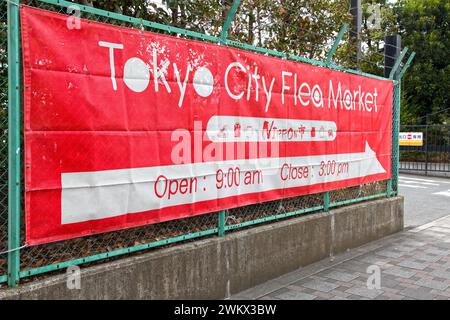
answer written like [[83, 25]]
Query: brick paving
[[414, 265]]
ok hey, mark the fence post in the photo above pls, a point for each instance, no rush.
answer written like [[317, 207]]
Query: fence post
[[336, 44], [229, 19], [13, 144], [395, 137], [221, 224], [407, 64], [389, 188], [396, 115], [326, 201], [397, 63]]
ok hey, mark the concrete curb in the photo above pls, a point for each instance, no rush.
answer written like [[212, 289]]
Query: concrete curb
[[216, 268]]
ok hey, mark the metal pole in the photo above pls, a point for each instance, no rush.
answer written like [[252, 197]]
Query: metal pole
[[393, 183], [389, 188], [392, 49], [392, 73], [326, 201], [397, 63], [221, 224], [13, 144], [356, 12], [336, 43], [407, 64], [229, 19], [395, 136]]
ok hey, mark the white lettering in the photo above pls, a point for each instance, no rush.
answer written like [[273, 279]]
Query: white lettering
[[111, 47]]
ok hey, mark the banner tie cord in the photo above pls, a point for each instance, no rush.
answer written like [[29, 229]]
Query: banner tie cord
[[12, 250]]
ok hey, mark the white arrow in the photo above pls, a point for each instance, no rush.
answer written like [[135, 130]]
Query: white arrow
[[103, 194]]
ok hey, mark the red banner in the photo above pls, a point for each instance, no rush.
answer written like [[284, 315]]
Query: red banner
[[124, 128]]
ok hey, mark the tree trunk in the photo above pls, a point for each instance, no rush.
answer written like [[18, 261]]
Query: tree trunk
[[251, 22]]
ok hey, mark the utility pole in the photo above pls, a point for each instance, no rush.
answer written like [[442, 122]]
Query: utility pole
[[355, 31]]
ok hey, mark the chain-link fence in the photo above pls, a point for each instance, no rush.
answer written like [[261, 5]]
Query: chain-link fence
[[395, 134], [3, 138], [39, 259]]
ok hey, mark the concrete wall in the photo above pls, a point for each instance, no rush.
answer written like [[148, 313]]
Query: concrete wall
[[217, 267]]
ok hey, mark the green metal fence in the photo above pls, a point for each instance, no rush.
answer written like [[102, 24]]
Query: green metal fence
[[3, 141], [18, 261]]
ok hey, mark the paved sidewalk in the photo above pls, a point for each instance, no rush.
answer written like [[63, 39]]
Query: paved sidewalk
[[415, 264]]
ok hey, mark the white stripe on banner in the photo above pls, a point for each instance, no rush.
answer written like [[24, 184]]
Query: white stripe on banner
[[103, 194]]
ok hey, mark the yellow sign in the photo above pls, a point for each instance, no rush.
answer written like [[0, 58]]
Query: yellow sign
[[411, 139]]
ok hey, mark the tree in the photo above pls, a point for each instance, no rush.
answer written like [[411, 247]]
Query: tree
[[371, 38], [424, 26], [308, 28], [301, 27], [203, 16]]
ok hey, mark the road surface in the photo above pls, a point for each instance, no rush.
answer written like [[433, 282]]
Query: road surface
[[426, 198]]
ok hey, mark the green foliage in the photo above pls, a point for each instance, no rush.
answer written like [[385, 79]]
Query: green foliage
[[308, 28], [305, 28], [424, 26], [372, 40], [205, 16]]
